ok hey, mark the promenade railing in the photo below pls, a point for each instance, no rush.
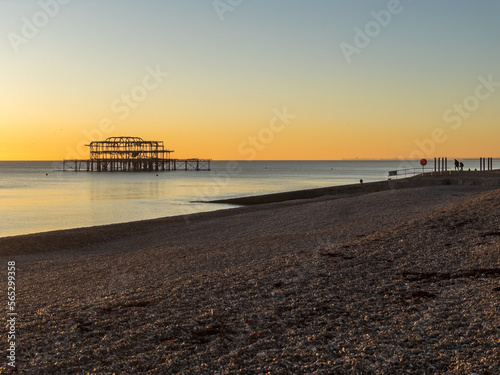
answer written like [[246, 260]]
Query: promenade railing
[[411, 172]]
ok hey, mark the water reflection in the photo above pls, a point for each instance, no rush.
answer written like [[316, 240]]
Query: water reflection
[[127, 186]]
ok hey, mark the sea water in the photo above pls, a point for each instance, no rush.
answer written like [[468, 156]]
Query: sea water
[[36, 196]]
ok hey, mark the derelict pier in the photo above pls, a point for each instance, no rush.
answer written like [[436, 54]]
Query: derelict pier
[[132, 154]]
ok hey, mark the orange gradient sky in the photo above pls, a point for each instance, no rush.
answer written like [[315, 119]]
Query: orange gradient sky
[[288, 80]]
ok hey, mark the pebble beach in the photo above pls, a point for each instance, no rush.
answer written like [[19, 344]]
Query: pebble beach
[[401, 281]]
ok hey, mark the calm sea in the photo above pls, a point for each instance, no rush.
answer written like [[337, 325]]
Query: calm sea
[[36, 197]]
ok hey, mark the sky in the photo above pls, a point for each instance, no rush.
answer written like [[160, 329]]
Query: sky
[[252, 79]]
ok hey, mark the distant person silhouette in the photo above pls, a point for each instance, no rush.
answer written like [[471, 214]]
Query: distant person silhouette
[[461, 166], [456, 164]]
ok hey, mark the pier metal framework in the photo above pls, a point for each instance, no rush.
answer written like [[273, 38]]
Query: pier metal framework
[[128, 154], [132, 154]]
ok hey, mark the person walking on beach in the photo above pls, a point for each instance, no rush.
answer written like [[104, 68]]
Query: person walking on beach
[[461, 166], [456, 164]]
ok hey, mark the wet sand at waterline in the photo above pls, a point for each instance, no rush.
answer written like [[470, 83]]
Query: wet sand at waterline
[[391, 281]]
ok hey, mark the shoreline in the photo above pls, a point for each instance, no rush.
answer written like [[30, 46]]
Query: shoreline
[[488, 179]]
